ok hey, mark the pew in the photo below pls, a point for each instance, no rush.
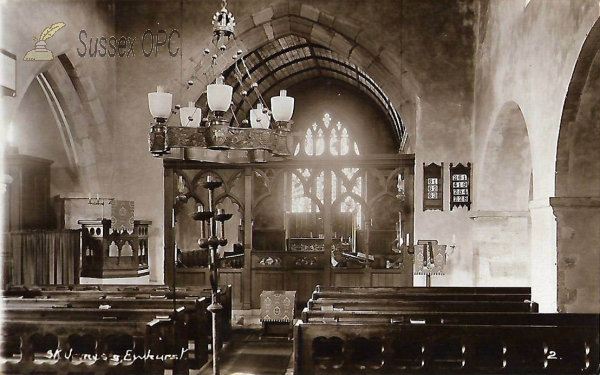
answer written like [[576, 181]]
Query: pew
[[401, 305], [507, 294], [433, 289], [83, 346], [71, 293], [404, 348], [193, 313], [440, 330], [436, 317]]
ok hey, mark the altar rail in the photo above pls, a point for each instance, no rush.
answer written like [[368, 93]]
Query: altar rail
[[41, 257]]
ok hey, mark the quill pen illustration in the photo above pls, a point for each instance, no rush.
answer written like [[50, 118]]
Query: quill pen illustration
[[50, 31], [40, 52]]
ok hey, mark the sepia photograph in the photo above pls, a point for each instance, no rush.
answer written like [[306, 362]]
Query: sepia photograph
[[298, 187]]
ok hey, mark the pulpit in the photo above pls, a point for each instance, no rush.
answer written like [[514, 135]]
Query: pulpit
[[110, 253]]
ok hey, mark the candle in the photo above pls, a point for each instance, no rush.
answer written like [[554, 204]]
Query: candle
[[407, 239], [200, 208], [209, 178], [453, 239]]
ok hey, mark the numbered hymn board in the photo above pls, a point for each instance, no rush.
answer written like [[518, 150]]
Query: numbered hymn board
[[433, 192], [460, 189]]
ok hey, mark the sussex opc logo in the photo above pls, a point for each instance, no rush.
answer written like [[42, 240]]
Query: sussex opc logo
[[40, 52]]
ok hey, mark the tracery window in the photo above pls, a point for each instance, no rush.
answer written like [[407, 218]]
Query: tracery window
[[327, 138]]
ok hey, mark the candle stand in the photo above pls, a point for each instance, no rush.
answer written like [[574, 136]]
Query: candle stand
[[211, 241]]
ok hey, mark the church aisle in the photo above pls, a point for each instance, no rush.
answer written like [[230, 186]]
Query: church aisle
[[247, 354]]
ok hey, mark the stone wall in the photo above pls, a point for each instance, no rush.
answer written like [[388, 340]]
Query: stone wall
[[526, 54]]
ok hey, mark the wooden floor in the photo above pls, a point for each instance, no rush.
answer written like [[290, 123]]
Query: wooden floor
[[248, 354]]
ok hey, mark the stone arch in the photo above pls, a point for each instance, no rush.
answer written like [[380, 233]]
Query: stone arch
[[577, 202], [504, 183], [281, 19], [502, 223], [578, 152], [73, 95]]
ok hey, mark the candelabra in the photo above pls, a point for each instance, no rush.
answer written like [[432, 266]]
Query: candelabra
[[95, 201], [264, 140], [211, 241], [98, 201]]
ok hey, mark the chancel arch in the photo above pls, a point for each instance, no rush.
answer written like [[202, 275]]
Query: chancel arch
[[577, 201], [284, 47]]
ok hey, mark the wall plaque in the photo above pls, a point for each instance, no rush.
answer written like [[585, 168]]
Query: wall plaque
[[433, 193], [460, 188]]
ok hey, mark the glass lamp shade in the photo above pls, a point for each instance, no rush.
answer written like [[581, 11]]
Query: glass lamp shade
[[219, 96], [160, 103], [259, 119], [282, 106], [190, 111]]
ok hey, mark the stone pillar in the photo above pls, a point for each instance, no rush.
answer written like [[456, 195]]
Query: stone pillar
[[543, 255], [578, 255]]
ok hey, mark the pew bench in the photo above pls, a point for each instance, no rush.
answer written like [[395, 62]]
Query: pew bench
[[392, 304], [437, 317], [499, 294], [194, 314], [110, 294], [375, 348], [98, 347], [460, 290]]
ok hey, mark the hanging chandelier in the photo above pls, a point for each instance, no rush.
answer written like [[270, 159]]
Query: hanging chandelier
[[216, 138]]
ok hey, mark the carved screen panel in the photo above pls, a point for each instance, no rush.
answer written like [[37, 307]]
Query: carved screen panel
[[433, 193], [460, 189]]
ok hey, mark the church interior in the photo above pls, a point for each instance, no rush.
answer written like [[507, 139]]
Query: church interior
[[300, 186]]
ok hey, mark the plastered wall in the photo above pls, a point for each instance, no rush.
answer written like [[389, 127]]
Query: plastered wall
[[526, 54]]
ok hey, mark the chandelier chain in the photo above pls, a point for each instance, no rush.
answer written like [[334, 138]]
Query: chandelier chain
[[240, 79], [254, 85]]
